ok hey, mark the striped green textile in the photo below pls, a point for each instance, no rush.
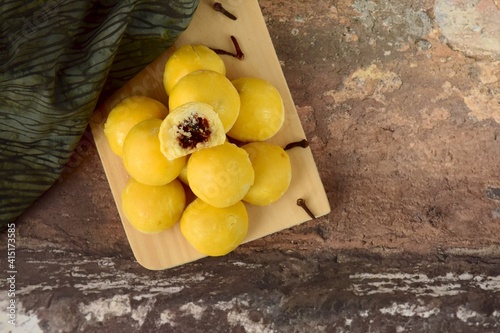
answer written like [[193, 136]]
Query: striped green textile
[[57, 58]]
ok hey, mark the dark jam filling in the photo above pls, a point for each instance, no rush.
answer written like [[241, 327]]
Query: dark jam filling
[[193, 131]]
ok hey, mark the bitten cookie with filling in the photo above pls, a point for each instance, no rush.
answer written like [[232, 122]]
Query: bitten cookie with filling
[[188, 128]]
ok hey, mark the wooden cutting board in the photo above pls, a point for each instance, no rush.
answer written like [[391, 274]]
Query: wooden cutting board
[[211, 28]]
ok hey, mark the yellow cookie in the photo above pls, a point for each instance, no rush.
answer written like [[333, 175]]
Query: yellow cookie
[[189, 128], [214, 231], [262, 113], [211, 88], [187, 59], [273, 173], [152, 209], [128, 113], [221, 175], [143, 158]]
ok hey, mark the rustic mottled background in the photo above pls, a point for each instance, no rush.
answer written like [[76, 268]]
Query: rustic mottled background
[[401, 103]]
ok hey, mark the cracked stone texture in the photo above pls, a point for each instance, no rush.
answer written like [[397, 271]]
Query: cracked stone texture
[[401, 106], [471, 26]]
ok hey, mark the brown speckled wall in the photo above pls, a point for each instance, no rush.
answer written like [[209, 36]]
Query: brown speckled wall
[[400, 103]]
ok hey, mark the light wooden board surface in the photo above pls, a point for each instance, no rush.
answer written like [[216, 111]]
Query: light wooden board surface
[[211, 28]]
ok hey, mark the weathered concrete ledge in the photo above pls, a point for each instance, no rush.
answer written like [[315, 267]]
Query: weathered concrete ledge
[[403, 119], [353, 291]]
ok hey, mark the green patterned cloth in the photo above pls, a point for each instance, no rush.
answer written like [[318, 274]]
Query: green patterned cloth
[[57, 58]]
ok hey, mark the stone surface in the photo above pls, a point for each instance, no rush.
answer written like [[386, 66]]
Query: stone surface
[[471, 26], [404, 125]]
